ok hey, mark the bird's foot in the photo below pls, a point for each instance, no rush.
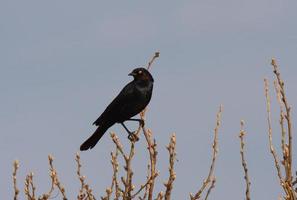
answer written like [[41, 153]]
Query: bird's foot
[[133, 137], [141, 122]]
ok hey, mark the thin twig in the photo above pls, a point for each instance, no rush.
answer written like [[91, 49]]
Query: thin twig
[[272, 151], [160, 196], [115, 166], [281, 121], [80, 177], [157, 54], [285, 114], [52, 176], [281, 84], [212, 185], [207, 181], [147, 186], [85, 190], [151, 145], [243, 161], [14, 179], [54, 181], [172, 174], [29, 187], [152, 148], [114, 182], [144, 186], [128, 182], [118, 144]]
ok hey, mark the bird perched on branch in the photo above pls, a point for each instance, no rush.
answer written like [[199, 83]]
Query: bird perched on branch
[[133, 98]]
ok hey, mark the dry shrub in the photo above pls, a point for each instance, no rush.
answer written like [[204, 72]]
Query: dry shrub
[[285, 121], [122, 186]]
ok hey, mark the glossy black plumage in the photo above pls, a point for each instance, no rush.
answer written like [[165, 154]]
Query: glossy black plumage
[[133, 98]]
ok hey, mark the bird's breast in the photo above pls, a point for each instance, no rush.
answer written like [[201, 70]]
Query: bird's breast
[[143, 93]]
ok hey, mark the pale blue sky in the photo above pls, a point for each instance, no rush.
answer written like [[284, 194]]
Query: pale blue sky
[[62, 62]]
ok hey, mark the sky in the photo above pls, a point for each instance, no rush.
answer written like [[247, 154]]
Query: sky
[[62, 62]]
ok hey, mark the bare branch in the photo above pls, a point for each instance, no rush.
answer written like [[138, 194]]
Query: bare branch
[[144, 186], [157, 54], [152, 148], [30, 187], [212, 185], [209, 178], [172, 174], [14, 179], [281, 84], [285, 115], [160, 196], [54, 181], [85, 190], [272, 151], [243, 161]]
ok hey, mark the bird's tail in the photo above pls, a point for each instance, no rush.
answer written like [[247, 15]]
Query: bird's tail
[[92, 141]]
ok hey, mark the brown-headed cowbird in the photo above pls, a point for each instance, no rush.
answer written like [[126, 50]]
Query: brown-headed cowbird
[[133, 98]]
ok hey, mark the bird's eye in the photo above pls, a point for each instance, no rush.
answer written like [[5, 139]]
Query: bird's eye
[[140, 72]]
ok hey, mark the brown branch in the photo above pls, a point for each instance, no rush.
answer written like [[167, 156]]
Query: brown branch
[[152, 174], [142, 187], [281, 121], [128, 186], [52, 176], [212, 185], [147, 186], [152, 148], [127, 181], [160, 196], [157, 54], [151, 145], [285, 115], [272, 151], [209, 178], [29, 187], [114, 182], [172, 174], [54, 181], [118, 144], [243, 161], [85, 190], [57, 181], [14, 179], [281, 84], [115, 167], [80, 177]]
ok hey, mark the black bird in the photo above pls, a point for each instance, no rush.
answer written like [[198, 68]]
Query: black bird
[[133, 98]]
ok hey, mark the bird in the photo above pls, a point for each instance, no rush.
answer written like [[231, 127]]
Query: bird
[[131, 100]]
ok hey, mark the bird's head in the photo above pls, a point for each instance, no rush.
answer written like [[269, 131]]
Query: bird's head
[[141, 74]]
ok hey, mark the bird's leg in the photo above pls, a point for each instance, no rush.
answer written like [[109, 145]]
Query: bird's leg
[[131, 135], [141, 121], [128, 131]]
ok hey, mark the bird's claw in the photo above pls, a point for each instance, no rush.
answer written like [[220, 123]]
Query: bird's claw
[[141, 123], [133, 137]]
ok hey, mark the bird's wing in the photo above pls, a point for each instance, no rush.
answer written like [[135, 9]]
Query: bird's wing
[[110, 113]]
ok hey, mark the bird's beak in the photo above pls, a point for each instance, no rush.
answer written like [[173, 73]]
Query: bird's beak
[[132, 74]]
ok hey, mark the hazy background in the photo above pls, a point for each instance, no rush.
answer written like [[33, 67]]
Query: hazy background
[[62, 62]]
